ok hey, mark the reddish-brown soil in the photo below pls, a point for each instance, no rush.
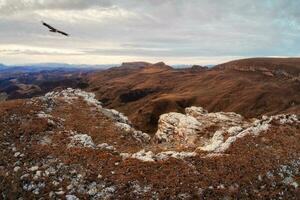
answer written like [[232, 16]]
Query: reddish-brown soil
[[252, 168]]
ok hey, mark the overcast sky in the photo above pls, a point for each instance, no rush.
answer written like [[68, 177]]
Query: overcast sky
[[173, 31]]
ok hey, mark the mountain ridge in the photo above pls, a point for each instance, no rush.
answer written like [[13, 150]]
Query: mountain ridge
[[153, 91]]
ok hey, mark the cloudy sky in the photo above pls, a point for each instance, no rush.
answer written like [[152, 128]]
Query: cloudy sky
[[173, 31]]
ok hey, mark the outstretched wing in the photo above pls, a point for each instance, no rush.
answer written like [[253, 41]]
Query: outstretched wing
[[52, 29], [48, 26], [66, 34]]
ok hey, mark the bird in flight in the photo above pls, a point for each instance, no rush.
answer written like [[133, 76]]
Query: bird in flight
[[54, 30]]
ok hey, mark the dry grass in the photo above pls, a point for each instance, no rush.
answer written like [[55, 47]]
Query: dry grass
[[234, 176]]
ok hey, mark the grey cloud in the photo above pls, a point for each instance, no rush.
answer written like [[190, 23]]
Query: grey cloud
[[156, 28], [15, 6], [29, 52]]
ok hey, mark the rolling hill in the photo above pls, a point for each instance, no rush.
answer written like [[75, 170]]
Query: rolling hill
[[252, 87]]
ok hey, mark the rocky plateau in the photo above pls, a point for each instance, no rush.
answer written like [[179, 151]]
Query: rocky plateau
[[67, 145]]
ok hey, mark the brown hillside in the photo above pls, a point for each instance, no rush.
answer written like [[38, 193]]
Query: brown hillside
[[251, 87], [278, 66]]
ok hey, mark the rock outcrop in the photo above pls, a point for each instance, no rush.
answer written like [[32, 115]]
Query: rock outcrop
[[120, 119], [212, 132]]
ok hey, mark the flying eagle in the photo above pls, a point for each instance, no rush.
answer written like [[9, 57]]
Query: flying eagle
[[54, 30]]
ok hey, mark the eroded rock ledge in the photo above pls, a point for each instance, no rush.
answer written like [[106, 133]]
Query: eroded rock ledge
[[69, 95], [179, 135], [213, 132]]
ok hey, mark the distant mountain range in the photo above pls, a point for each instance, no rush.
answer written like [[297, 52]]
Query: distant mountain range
[[179, 66], [26, 68], [33, 80], [66, 67]]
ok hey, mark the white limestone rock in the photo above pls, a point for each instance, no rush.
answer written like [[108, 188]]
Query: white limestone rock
[[42, 114], [17, 168], [81, 140], [71, 197], [138, 135], [218, 145], [149, 156], [34, 168], [212, 132], [177, 127], [115, 115], [174, 154], [106, 147], [144, 156]]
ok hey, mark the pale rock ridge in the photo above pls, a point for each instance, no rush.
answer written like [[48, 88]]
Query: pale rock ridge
[[219, 119], [138, 135], [197, 129], [43, 115], [218, 145], [70, 94], [121, 121], [176, 126], [117, 116], [212, 132], [188, 129], [48, 117], [149, 156], [81, 140]]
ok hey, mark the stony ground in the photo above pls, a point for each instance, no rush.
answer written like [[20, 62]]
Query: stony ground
[[65, 145]]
